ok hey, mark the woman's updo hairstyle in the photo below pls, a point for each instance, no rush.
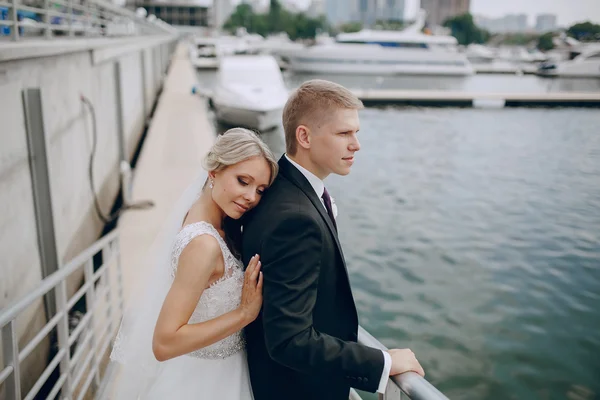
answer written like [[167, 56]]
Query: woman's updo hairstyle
[[237, 145]]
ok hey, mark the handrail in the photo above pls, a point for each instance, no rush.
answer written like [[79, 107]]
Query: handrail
[[80, 347], [14, 309], [412, 384], [87, 18]]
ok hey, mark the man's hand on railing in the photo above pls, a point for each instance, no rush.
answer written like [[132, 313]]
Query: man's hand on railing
[[404, 360]]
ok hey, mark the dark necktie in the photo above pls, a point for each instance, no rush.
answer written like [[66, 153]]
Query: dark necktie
[[327, 200]]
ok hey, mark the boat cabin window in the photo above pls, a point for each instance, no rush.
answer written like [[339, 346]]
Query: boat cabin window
[[594, 56], [408, 45]]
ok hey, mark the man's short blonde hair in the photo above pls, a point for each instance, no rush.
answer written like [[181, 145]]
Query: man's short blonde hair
[[310, 103]]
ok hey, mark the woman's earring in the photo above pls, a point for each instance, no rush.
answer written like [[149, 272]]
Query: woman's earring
[[211, 184]]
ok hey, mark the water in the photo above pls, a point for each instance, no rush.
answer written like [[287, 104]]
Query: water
[[473, 237]]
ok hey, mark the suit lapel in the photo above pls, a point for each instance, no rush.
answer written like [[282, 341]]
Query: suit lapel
[[295, 176]]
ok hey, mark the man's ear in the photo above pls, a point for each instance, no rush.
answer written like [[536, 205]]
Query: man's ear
[[303, 136]]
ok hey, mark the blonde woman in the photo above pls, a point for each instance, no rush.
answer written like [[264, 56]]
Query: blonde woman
[[181, 337]]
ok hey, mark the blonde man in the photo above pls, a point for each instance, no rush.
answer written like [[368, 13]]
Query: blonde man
[[303, 343]]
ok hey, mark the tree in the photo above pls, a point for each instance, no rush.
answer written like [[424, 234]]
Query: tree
[[465, 31], [545, 42], [297, 26], [520, 39], [242, 16], [274, 16], [585, 31], [350, 27], [390, 25]]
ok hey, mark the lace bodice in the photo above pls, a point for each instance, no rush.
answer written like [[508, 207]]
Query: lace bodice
[[221, 297]]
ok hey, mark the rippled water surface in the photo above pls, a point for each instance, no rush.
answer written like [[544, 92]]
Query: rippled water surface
[[473, 237]]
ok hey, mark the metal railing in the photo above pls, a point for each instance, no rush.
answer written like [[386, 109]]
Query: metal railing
[[407, 385], [80, 351], [87, 18]]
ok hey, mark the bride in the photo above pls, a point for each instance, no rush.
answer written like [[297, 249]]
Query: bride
[[181, 335]]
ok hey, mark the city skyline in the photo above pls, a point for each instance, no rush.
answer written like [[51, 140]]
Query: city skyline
[[567, 11]]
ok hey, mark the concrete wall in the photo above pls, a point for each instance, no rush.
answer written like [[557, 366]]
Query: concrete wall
[[62, 78]]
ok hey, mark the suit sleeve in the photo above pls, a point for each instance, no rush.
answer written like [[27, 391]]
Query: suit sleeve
[[291, 259]]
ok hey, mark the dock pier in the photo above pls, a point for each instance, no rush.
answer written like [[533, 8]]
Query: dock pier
[[436, 98]]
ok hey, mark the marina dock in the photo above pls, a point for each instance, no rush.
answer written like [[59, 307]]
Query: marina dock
[[435, 98]]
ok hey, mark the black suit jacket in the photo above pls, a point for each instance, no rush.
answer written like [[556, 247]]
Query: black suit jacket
[[303, 343]]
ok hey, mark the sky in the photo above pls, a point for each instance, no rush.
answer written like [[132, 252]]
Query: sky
[[567, 11]]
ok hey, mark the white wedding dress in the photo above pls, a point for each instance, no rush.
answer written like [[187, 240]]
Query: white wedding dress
[[218, 371]]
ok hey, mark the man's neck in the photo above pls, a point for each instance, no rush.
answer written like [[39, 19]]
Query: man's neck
[[305, 163]]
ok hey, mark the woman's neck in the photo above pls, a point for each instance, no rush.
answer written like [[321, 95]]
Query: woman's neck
[[207, 210]]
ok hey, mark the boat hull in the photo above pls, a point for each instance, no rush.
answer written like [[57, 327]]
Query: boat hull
[[254, 119], [374, 60]]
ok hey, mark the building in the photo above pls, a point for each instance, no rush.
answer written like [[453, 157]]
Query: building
[[511, 23], [439, 11], [545, 23], [178, 13], [392, 10], [339, 11], [366, 12], [221, 10]]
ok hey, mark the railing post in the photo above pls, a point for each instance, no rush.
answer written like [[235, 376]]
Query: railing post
[[89, 29], [47, 20], [120, 299], [90, 302], [10, 350], [70, 12], [145, 109], [107, 254], [392, 392], [97, 17], [409, 384], [15, 20], [63, 337]]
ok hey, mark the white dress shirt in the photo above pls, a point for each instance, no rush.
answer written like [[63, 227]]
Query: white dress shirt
[[319, 187]]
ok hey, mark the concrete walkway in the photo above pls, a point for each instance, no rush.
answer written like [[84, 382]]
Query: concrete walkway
[[179, 136]]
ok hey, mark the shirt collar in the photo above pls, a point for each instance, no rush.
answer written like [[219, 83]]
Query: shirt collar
[[316, 183]]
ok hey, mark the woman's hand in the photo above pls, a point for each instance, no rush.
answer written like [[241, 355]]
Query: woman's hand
[[252, 290]]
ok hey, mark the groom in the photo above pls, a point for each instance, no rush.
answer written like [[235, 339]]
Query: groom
[[303, 343]]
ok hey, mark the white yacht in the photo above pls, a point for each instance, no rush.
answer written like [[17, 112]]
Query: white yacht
[[203, 53], [277, 44], [384, 53], [206, 52], [249, 92], [584, 65], [479, 54]]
